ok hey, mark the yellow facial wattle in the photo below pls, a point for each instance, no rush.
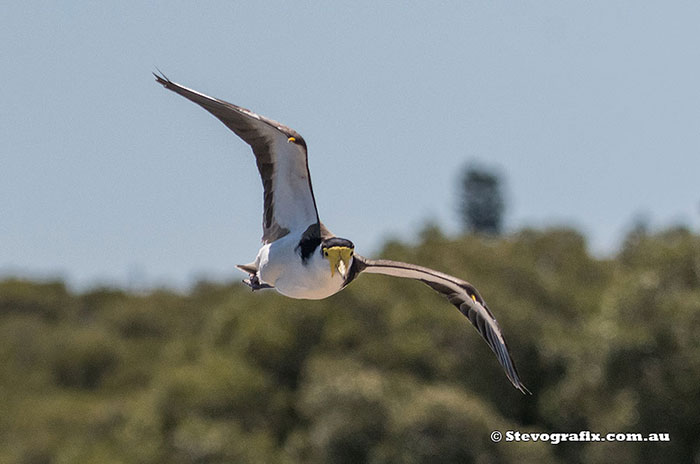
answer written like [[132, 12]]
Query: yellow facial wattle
[[339, 259]]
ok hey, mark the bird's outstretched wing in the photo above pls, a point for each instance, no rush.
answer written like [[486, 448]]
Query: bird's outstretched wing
[[289, 202], [460, 293]]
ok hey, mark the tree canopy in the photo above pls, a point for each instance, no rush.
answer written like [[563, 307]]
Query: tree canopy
[[482, 204], [386, 371]]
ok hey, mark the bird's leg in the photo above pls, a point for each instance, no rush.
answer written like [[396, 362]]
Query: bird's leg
[[254, 283]]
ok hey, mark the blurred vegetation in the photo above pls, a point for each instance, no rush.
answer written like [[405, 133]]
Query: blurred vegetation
[[481, 200], [384, 372]]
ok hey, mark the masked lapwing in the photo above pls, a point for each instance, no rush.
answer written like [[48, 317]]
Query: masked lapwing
[[300, 257]]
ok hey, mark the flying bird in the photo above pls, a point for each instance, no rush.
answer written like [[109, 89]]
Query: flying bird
[[300, 257]]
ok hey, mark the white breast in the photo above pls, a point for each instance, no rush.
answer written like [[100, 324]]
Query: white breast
[[281, 266]]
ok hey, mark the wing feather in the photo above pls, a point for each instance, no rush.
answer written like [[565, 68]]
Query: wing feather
[[461, 294], [289, 202]]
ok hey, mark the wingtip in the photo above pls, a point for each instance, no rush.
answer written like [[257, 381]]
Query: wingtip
[[515, 380], [523, 389], [162, 78]]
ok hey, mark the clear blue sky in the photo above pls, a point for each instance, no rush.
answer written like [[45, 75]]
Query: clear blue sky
[[591, 109]]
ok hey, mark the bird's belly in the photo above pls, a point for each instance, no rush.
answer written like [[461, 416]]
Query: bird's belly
[[294, 287], [293, 278], [308, 281]]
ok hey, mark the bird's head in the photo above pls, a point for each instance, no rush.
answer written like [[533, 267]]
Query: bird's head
[[338, 252]]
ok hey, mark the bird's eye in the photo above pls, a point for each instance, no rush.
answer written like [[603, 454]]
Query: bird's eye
[[325, 253], [291, 139]]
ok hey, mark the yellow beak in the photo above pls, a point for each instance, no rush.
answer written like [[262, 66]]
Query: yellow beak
[[339, 259]]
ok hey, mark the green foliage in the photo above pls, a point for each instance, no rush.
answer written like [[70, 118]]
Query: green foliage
[[386, 371], [50, 300], [482, 204], [84, 358]]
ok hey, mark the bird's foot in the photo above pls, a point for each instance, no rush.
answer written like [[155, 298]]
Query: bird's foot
[[254, 283]]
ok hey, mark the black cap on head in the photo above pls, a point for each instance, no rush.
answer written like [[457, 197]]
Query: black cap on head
[[337, 242]]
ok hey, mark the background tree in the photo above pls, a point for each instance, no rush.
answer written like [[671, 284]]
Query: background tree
[[481, 200], [386, 371]]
